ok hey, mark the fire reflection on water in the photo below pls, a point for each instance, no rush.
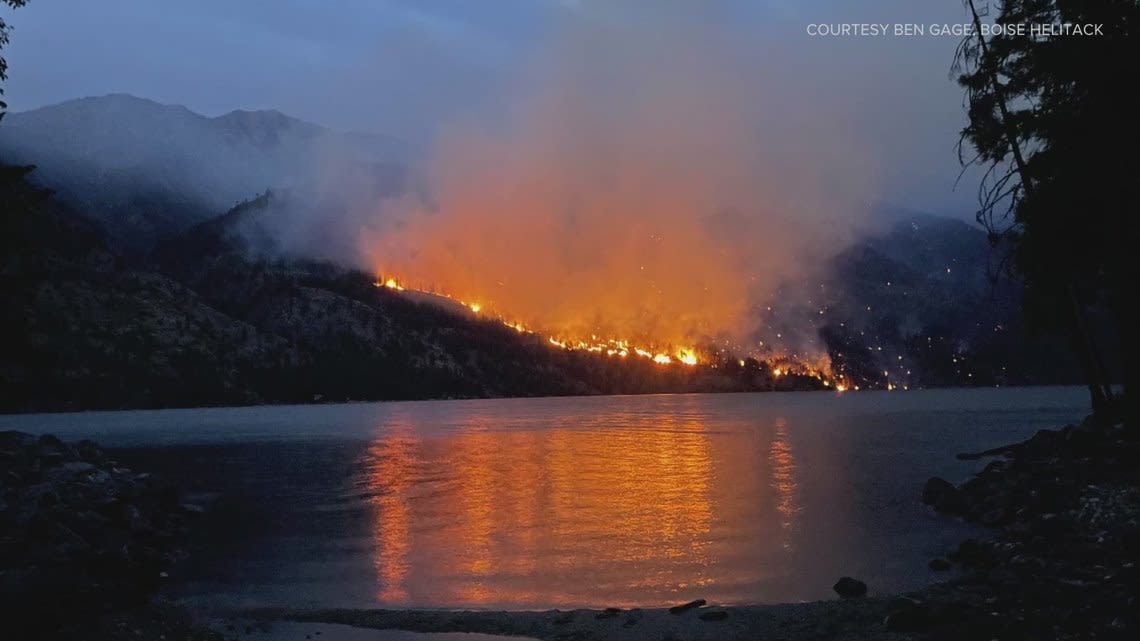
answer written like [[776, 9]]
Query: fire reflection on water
[[389, 463], [573, 514], [783, 479]]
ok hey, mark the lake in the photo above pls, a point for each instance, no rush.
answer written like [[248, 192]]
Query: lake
[[567, 502]]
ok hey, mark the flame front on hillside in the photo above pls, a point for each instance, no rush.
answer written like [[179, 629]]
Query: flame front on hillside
[[608, 346], [781, 365]]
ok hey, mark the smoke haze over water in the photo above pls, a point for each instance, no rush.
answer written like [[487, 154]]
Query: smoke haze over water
[[660, 173]]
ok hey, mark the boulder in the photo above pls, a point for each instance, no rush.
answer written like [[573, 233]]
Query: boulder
[[945, 498], [89, 451], [848, 587], [934, 489], [684, 607]]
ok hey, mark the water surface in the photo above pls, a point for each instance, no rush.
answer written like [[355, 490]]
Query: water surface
[[538, 503]]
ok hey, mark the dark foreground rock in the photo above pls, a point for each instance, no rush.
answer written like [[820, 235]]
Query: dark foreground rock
[[945, 498], [685, 607], [848, 587], [80, 537], [1062, 564]]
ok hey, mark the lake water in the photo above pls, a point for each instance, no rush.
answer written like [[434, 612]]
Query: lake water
[[561, 502]]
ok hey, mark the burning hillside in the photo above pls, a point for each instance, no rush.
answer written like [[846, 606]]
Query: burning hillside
[[642, 196], [777, 365]]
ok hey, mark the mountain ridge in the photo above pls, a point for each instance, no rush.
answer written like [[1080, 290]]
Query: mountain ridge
[[130, 289], [148, 170]]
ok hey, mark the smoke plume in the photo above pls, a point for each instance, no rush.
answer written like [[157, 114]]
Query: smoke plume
[[660, 173]]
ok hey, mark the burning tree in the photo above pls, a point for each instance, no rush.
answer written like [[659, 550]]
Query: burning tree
[[1053, 119]]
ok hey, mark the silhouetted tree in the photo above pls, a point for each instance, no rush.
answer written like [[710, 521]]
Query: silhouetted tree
[[5, 29], [1053, 118]]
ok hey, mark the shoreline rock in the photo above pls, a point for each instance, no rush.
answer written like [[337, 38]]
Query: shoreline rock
[[848, 587], [80, 537], [685, 607], [1065, 509]]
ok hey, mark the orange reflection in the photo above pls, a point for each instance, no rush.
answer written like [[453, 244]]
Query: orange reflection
[[783, 477], [638, 496], [583, 511], [477, 482], [389, 466]]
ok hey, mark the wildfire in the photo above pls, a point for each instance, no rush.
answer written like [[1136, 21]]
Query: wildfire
[[782, 365], [390, 283], [615, 347]]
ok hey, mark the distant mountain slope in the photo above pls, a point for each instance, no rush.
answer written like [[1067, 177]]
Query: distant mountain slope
[[919, 306], [147, 170], [205, 321], [82, 330], [219, 315]]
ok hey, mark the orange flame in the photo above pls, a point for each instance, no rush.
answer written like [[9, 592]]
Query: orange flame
[[818, 367], [618, 347], [390, 283]]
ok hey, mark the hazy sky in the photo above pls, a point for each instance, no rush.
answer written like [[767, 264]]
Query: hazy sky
[[405, 67]]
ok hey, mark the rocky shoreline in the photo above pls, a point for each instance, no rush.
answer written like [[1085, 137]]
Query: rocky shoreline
[[83, 542], [1063, 563]]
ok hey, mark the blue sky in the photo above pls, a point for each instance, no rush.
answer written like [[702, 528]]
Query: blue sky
[[336, 62], [405, 67]]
